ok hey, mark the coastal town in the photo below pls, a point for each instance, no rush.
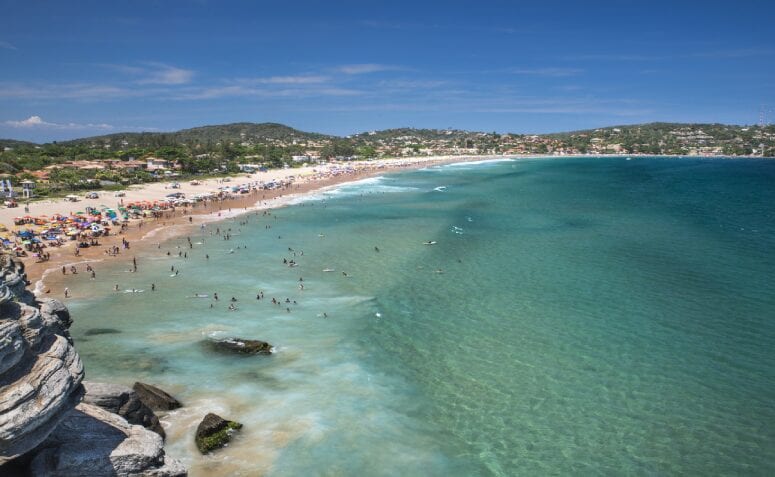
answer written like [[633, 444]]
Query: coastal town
[[132, 158]]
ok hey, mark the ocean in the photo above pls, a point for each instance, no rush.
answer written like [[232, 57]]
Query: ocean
[[563, 316]]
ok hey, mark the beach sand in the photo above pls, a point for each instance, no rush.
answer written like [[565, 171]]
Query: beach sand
[[144, 234]]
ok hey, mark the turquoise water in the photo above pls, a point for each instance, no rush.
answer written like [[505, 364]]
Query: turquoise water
[[575, 316]]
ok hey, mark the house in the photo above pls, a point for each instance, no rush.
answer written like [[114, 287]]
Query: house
[[155, 164], [41, 176], [130, 166]]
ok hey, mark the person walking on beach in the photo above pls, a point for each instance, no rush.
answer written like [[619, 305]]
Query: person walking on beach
[[67, 292]]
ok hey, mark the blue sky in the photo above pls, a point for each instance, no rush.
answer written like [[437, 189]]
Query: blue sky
[[73, 69]]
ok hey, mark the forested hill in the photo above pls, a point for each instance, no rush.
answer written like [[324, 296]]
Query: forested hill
[[204, 135]]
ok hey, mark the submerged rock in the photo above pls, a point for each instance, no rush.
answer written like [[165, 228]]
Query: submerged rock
[[214, 432], [240, 346], [123, 401], [155, 398], [101, 331], [91, 441]]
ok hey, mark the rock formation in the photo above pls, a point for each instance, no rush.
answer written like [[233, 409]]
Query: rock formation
[[155, 398], [40, 386], [40, 371], [92, 441], [123, 401], [214, 432]]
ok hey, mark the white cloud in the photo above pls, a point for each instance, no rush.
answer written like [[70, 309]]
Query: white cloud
[[57, 91], [298, 79], [36, 122], [159, 73], [7, 46], [27, 123], [364, 68]]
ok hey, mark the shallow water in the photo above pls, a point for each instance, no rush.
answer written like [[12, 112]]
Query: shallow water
[[574, 316]]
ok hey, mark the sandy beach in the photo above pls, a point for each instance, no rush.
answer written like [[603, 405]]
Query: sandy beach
[[142, 234]]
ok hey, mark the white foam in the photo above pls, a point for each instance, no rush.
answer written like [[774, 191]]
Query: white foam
[[478, 163]]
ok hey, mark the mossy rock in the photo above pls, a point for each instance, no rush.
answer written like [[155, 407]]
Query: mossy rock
[[214, 432]]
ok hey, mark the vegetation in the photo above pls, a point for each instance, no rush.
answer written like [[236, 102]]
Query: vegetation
[[223, 149]]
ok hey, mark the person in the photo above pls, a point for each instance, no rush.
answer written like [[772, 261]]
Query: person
[[153, 287], [232, 307], [115, 287], [67, 292], [215, 295]]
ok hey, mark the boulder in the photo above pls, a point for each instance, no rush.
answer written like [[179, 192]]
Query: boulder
[[123, 401], [214, 432], [91, 441], [155, 398], [240, 346]]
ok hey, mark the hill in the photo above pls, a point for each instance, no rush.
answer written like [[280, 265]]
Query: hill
[[250, 133]]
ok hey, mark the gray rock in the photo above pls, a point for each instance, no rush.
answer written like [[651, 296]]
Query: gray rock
[[40, 371], [123, 401], [155, 398], [94, 442], [240, 346]]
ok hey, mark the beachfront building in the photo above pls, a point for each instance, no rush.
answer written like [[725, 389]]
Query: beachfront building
[[306, 158], [155, 164], [28, 189]]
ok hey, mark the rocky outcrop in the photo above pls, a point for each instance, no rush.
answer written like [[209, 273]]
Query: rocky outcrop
[[155, 398], [123, 401], [240, 346], [214, 432], [91, 441], [40, 371], [42, 432]]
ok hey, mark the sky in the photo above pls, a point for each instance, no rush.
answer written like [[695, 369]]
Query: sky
[[82, 68]]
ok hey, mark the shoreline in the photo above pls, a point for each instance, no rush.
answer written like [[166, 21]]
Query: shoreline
[[144, 233]]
